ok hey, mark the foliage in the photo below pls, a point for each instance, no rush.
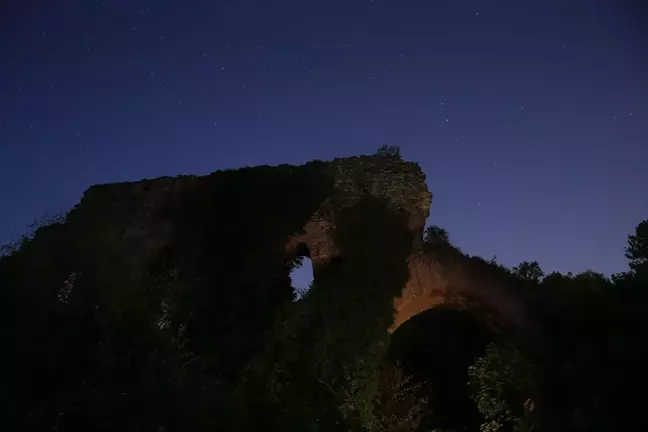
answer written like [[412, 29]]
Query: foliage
[[42, 222], [389, 151], [434, 234], [502, 385], [399, 406], [637, 249], [529, 272]]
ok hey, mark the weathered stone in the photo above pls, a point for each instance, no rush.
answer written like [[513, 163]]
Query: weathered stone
[[137, 211], [453, 283], [402, 184]]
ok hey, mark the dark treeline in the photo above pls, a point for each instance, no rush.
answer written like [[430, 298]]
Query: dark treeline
[[585, 372], [209, 337]]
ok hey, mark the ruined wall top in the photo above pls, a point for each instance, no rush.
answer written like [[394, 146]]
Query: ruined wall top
[[138, 209], [400, 183]]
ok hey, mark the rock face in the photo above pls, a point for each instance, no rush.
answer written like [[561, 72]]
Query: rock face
[[456, 281], [185, 215], [400, 184]]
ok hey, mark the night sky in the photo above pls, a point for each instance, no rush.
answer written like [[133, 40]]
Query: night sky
[[530, 118]]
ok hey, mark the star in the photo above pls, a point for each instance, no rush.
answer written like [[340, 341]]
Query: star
[[446, 119]]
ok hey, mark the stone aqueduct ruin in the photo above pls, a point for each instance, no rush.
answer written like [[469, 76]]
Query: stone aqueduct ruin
[[433, 281], [176, 291]]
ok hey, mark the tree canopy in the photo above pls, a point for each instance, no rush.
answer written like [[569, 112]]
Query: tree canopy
[[434, 234], [529, 271], [637, 249], [389, 151]]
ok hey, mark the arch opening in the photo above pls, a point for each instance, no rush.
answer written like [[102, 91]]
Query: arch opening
[[436, 347], [301, 273]]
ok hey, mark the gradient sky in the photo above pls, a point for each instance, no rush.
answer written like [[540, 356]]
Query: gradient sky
[[530, 118]]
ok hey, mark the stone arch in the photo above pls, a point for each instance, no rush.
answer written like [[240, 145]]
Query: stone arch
[[315, 242], [302, 273], [301, 250], [459, 282]]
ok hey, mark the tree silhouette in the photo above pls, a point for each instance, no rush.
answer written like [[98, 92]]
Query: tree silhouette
[[637, 249], [389, 151], [529, 271], [434, 234]]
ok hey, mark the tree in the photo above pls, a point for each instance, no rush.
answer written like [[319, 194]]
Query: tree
[[637, 249], [434, 234], [389, 151], [399, 406], [502, 384], [529, 271]]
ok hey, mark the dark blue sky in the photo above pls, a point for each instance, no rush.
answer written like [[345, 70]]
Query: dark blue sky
[[530, 118]]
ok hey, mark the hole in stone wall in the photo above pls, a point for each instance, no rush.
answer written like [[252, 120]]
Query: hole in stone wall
[[301, 276], [436, 347]]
